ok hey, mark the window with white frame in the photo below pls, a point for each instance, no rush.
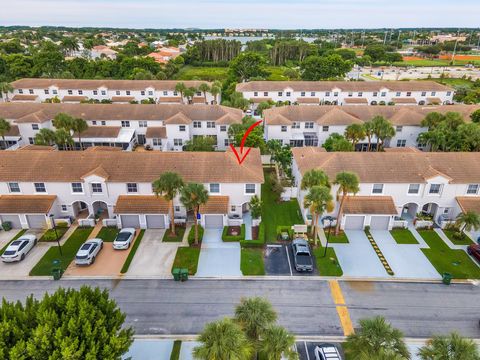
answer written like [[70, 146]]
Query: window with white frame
[[312, 93], [435, 188], [94, 122], [197, 124], [296, 125], [377, 189], [104, 92], [210, 124], [34, 126], [375, 94], [280, 93], [125, 123], [117, 92], [327, 94], [398, 128], [335, 94], [409, 93], [46, 91], [302, 93], [54, 92], [233, 208], [198, 93], [165, 93], [104, 122], [401, 143], [70, 92], [157, 142], [449, 93], [97, 188], [95, 92], [64, 208], [360, 94], [472, 189], [424, 93], [150, 93], [226, 142], [289, 93], [383, 94], [284, 128], [350, 94], [255, 93], [20, 91], [434, 93], [309, 125], [214, 188], [249, 188], [128, 92], [325, 128], [177, 142], [182, 128], [142, 123], [265, 93], [132, 188], [40, 187], [413, 189], [30, 91], [398, 93], [142, 92], [223, 128], [13, 187]]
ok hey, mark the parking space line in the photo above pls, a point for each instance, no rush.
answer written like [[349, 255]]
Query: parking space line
[[342, 310], [288, 258], [306, 350]]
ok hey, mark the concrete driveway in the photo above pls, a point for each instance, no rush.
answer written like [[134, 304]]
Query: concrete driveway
[[6, 236], [186, 350], [357, 258], [154, 257], [406, 260], [218, 258], [149, 349]]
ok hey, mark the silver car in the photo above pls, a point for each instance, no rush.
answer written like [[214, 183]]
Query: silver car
[[327, 352], [18, 249], [124, 239], [88, 251]]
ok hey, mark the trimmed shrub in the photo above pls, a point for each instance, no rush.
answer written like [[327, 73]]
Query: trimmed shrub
[[260, 242], [231, 238], [191, 235]]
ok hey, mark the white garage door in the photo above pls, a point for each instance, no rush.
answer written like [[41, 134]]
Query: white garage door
[[354, 222], [132, 221], [36, 221], [155, 221], [13, 219], [379, 222], [213, 221]]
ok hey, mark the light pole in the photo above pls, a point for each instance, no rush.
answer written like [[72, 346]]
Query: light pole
[[54, 226], [330, 220]]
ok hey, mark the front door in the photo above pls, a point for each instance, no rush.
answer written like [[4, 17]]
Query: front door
[[141, 139]]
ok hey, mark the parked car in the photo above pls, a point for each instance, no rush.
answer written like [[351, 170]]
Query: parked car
[[18, 249], [88, 252], [302, 256], [327, 352], [474, 250], [124, 239]]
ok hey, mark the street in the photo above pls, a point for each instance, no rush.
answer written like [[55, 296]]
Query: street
[[305, 307]]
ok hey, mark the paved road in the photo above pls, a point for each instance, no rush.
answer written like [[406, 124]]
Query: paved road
[[305, 307]]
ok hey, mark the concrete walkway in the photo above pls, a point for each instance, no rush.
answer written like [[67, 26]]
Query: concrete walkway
[[186, 350], [149, 349], [447, 241], [247, 220]]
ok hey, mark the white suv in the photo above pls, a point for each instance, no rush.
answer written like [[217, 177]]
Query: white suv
[[88, 251]]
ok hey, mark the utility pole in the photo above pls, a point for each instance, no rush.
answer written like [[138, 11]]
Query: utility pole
[[398, 40], [454, 50], [385, 38]]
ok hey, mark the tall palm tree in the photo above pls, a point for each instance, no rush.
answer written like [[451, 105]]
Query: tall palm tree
[[63, 139], [168, 186], [348, 183], [449, 347], [4, 129], [63, 121], [368, 128], [79, 126], [222, 339], [204, 88], [192, 196], [318, 199], [468, 221], [314, 177], [5, 88], [180, 88], [45, 137], [215, 90], [277, 344], [432, 120], [189, 93], [382, 129], [376, 339], [354, 133]]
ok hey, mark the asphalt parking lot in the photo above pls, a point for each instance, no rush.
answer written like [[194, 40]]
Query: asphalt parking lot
[[306, 349], [279, 261]]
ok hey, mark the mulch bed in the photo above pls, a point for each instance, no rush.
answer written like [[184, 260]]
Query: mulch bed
[[255, 230], [233, 230]]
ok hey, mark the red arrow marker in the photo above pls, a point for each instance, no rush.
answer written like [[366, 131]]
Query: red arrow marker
[[242, 156]]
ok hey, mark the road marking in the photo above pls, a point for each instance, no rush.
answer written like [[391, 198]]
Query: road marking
[[288, 258], [342, 310], [336, 292], [306, 350]]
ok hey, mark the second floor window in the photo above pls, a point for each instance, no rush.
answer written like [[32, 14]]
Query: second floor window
[[472, 189], [40, 187], [413, 189], [132, 188], [401, 143], [97, 188], [197, 124], [324, 128], [210, 124], [284, 128], [77, 188], [182, 128], [34, 126], [377, 189], [296, 125], [13, 187], [435, 188], [214, 188], [223, 128], [399, 128], [125, 123], [157, 142], [309, 125], [249, 188], [142, 123]]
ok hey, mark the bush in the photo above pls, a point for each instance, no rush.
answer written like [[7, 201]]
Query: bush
[[191, 235], [283, 228], [231, 238], [260, 242], [7, 225]]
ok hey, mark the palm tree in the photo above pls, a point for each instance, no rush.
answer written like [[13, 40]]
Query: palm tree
[[376, 339], [368, 128], [167, 186], [5, 88], [63, 139], [215, 90], [4, 129], [277, 343], [314, 177], [355, 133], [63, 121], [432, 120], [468, 221], [192, 196], [318, 199], [180, 88], [78, 126], [45, 137], [223, 339], [382, 129], [204, 88], [189, 93], [348, 183], [449, 347]]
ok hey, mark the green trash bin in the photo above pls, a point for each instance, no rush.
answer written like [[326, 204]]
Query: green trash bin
[[447, 278], [184, 274], [176, 274], [57, 271]]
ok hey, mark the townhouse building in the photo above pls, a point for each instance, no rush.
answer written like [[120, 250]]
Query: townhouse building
[[39, 186], [347, 92], [165, 127], [116, 91], [311, 125], [396, 186]]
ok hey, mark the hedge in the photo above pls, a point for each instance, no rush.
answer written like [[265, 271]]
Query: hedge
[[230, 238], [191, 235], [260, 242], [283, 228]]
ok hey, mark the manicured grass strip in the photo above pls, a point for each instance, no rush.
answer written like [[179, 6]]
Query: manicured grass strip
[[108, 234], [50, 234], [69, 249], [328, 265], [341, 238], [444, 259], [187, 258], [379, 253], [463, 240], [403, 236], [179, 232], [191, 235], [132, 252], [20, 233], [175, 355], [251, 261]]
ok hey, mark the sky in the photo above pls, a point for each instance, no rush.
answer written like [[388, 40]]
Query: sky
[[273, 14]]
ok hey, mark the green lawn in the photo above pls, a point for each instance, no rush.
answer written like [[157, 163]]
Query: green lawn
[[187, 257], [276, 73], [251, 262], [455, 82], [202, 73], [108, 234], [444, 259], [275, 214], [18, 234], [69, 249], [465, 240], [403, 236], [179, 232], [328, 265], [341, 238], [50, 234], [132, 252]]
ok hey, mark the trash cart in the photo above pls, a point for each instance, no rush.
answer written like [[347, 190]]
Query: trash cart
[[447, 278], [184, 274], [57, 271], [176, 274]]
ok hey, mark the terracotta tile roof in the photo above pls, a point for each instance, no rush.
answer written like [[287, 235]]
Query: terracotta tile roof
[[305, 100], [179, 118], [434, 100], [406, 116], [279, 119], [36, 147], [38, 117], [100, 132], [215, 205], [23, 97], [123, 166], [157, 132], [103, 148], [355, 101], [14, 131], [257, 100], [392, 167], [26, 204], [336, 116], [98, 171], [469, 203], [370, 205], [408, 100], [199, 100], [77, 98], [402, 149], [170, 100], [122, 99], [141, 204]]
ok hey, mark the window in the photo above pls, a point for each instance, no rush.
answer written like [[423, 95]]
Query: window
[[249, 188], [125, 123], [375, 94], [335, 94], [34, 126], [309, 125], [104, 92], [280, 93], [177, 142], [398, 93], [446, 211], [117, 92], [312, 93], [132, 188], [20, 91], [30, 91], [424, 93], [54, 92], [40, 187], [327, 93], [157, 142], [46, 91], [165, 93], [383, 94], [31, 140], [80, 92], [265, 93], [296, 125], [472, 189], [150, 93], [197, 124], [302, 93], [434, 93], [223, 128], [401, 143], [214, 188], [128, 92], [360, 94], [413, 189], [64, 208], [94, 122], [177, 208], [284, 128], [324, 128], [350, 94], [70, 92], [289, 93], [77, 188], [142, 93], [233, 208], [199, 93], [97, 188], [13, 187], [95, 92], [142, 123], [104, 122], [399, 128], [377, 189], [255, 93], [449, 93], [226, 142], [409, 93], [182, 128], [210, 124], [435, 189]]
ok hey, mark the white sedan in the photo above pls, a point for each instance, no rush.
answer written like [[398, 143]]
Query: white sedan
[[18, 249], [124, 239], [88, 251]]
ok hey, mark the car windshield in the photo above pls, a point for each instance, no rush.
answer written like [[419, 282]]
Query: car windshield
[[302, 253], [81, 256], [16, 243], [9, 252], [85, 247], [123, 236]]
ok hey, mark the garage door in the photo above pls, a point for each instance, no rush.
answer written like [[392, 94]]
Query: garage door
[[354, 222], [132, 221], [155, 221], [14, 220], [36, 221], [379, 222], [213, 221]]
